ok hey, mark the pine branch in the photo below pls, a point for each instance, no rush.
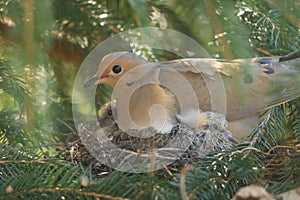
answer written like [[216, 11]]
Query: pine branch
[[11, 83], [270, 28]]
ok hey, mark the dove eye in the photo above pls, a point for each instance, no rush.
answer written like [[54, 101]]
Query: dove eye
[[109, 112], [117, 69]]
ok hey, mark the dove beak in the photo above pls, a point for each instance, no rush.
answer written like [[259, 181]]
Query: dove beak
[[94, 80]]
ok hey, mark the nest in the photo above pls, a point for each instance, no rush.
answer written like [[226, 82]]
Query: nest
[[278, 158], [110, 148]]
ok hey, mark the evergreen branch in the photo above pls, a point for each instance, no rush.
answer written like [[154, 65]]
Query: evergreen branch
[[258, 132], [275, 26], [63, 191], [10, 78], [173, 19], [12, 84], [91, 14], [143, 192], [269, 27]]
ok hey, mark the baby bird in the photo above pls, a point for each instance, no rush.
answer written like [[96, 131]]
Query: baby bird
[[156, 93], [211, 123]]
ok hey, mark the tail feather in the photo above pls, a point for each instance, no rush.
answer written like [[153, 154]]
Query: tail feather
[[293, 90], [290, 56]]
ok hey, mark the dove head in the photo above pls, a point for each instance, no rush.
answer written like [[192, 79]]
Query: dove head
[[113, 66]]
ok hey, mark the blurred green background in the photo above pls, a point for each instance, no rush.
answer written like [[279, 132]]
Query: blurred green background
[[43, 43]]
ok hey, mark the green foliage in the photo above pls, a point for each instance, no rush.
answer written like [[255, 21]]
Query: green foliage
[[37, 72], [11, 84], [271, 29], [10, 131], [26, 171]]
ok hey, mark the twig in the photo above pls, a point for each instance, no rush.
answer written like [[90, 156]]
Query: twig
[[169, 172], [183, 193], [261, 50], [42, 145], [21, 161], [153, 160], [67, 125], [280, 146]]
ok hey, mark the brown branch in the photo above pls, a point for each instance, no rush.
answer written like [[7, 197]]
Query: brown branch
[[66, 51], [218, 28], [21, 161], [261, 50], [60, 49], [29, 45], [183, 193], [7, 76]]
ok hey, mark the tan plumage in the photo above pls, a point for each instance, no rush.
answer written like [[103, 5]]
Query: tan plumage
[[250, 85]]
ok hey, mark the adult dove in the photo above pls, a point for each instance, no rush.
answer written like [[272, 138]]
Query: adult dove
[[161, 94]]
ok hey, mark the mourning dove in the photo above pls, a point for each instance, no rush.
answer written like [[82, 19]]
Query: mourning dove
[[159, 92]]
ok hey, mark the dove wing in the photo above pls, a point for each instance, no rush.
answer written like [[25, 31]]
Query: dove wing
[[250, 84], [237, 88]]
